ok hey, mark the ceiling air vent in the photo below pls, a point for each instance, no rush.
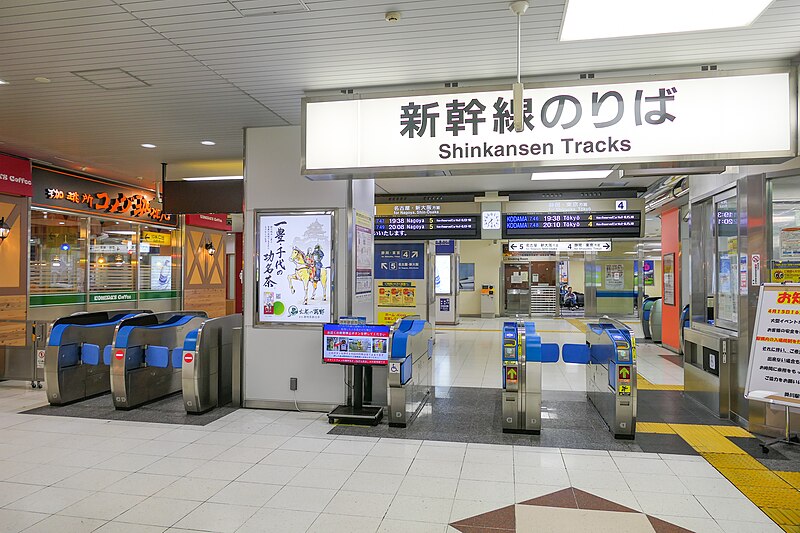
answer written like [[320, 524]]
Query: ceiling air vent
[[261, 8], [111, 79]]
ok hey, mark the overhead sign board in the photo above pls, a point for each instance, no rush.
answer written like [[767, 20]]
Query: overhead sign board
[[722, 116], [400, 261], [560, 246], [578, 224], [427, 228], [774, 361], [208, 220]]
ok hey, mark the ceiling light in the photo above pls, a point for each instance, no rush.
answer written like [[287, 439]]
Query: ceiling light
[[573, 175], [41, 79], [590, 19], [207, 143], [148, 145], [3, 82], [214, 178]]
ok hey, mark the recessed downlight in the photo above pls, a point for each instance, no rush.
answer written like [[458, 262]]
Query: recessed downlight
[[148, 145], [3, 82], [41, 79], [207, 143]]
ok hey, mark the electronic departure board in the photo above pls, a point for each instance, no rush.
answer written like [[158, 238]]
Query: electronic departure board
[[427, 228], [555, 225]]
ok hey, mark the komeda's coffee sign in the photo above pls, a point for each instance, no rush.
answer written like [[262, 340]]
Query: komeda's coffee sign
[[722, 117], [70, 192]]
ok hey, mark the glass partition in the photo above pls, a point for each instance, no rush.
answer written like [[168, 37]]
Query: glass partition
[[112, 247], [726, 227], [57, 254], [785, 265], [159, 260]]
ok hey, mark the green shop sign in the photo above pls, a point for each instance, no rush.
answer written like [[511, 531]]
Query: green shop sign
[[158, 295], [111, 297]]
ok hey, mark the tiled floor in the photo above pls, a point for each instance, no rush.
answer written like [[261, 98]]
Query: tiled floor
[[468, 355]]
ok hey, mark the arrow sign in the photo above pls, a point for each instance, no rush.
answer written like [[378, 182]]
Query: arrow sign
[[607, 245], [511, 374], [624, 372]]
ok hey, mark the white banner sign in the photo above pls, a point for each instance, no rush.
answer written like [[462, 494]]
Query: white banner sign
[[561, 246], [720, 117], [774, 369], [294, 268]]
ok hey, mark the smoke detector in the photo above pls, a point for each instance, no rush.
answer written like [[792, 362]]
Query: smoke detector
[[392, 16]]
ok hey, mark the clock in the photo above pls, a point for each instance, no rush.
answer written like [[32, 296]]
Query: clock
[[490, 220]]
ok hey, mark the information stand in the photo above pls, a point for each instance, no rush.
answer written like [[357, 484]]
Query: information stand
[[359, 346], [774, 370]]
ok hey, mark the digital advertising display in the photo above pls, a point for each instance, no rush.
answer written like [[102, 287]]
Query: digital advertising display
[[348, 344]]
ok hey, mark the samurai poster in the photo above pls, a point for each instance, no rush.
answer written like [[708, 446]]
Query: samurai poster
[[294, 268]]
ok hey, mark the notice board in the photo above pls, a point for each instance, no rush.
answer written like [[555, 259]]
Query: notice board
[[774, 370]]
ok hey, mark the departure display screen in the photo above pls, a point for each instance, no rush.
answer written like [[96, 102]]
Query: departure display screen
[[544, 225], [427, 228]]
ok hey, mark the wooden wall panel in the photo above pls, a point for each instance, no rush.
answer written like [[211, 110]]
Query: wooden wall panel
[[212, 301], [13, 308]]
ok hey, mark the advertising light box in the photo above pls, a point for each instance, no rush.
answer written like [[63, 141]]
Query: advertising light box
[[349, 344]]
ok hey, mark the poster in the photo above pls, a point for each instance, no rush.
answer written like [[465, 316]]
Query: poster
[[442, 283], [669, 279], [295, 254], [649, 273], [774, 370], [466, 276], [399, 261], [615, 277], [355, 344], [790, 243], [160, 273], [364, 255], [390, 317], [785, 272], [397, 294]]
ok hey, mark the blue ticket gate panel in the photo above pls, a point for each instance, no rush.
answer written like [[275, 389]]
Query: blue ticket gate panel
[[611, 377], [522, 378], [410, 370], [77, 355], [145, 355]]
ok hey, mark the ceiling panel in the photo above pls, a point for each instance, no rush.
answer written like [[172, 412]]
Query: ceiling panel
[[214, 67]]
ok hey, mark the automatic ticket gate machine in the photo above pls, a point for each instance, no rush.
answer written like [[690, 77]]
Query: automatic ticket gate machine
[[147, 355], [78, 353], [206, 364], [651, 318], [523, 355], [611, 376], [410, 370]]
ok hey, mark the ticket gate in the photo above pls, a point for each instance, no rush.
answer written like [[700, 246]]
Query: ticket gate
[[523, 355], [410, 370], [146, 350], [206, 364], [78, 352], [651, 318], [610, 375]]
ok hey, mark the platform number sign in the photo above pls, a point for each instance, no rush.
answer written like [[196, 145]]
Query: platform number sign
[[622, 205]]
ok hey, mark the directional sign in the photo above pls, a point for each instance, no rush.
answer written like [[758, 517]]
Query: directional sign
[[560, 246], [511, 374], [430, 228], [624, 372], [577, 224]]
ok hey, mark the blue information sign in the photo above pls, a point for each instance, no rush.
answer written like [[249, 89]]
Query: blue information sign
[[399, 261]]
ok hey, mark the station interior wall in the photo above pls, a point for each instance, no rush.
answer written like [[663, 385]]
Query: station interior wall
[[13, 267], [671, 244], [204, 274], [273, 354]]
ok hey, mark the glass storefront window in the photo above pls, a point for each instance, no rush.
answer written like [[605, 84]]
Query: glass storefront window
[[785, 229], [727, 296], [159, 260], [112, 247], [57, 253]]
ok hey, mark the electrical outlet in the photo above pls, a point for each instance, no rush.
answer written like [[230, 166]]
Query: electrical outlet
[[292, 383]]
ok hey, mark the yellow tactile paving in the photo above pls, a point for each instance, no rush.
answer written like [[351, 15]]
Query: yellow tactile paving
[[732, 431], [792, 478], [705, 439], [642, 383], [784, 517], [654, 427], [722, 461], [776, 498], [755, 478], [577, 324]]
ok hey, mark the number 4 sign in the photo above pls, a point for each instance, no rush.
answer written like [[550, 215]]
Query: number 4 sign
[[622, 205]]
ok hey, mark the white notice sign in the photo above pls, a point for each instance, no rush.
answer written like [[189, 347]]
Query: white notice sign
[[774, 370], [294, 268], [708, 118], [560, 246]]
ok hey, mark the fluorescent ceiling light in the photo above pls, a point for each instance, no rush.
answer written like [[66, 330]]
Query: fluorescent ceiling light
[[214, 178], [207, 143], [573, 175], [591, 19], [3, 82], [148, 145]]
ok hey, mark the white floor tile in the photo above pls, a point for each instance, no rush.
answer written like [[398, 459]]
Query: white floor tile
[[192, 489], [696, 525], [488, 472], [739, 509], [332, 523], [272, 474], [390, 525], [655, 483], [65, 524], [269, 520], [250, 494], [141, 484], [13, 521], [642, 466], [350, 447], [359, 504], [415, 508], [658, 503], [336, 461], [173, 466], [289, 458], [426, 486], [45, 475], [320, 479], [217, 517], [155, 511], [92, 479], [221, 470], [541, 476], [305, 444], [583, 462], [445, 469], [380, 465], [440, 453], [389, 449], [11, 492], [102, 506], [737, 526], [49, 500], [244, 454], [465, 509], [127, 462], [707, 486], [595, 479], [301, 499], [686, 469], [200, 451], [493, 491]]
